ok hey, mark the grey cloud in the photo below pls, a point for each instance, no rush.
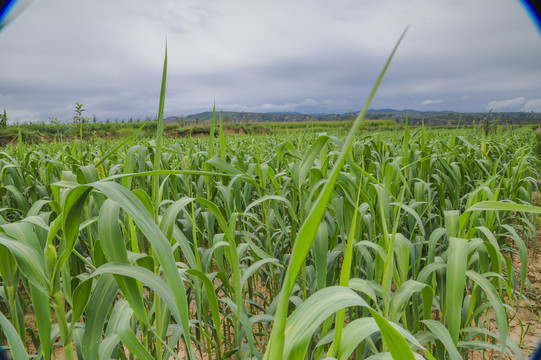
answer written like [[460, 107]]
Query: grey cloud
[[516, 104], [430, 102], [533, 105], [303, 55], [507, 105]]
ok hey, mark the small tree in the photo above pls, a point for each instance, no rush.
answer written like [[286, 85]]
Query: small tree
[[489, 124], [54, 121], [4, 119], [78, 119]]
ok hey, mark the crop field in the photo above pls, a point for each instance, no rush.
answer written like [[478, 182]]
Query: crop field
[[404, 244], [296, 245]]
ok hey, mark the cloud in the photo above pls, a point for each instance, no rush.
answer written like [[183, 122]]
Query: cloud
[[306, 55], [430, 102], [533, 105], [28, 116], [309, 102], [515, 104], [306, 103]]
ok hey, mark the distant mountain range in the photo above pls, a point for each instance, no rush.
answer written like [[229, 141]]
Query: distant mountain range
[[415, 117], [406, 111]]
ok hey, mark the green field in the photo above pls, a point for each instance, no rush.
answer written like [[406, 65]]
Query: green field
[[357, 240], [154, 248], [37, 133]]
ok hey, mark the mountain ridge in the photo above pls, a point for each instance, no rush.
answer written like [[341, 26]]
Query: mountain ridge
[[415, 117]]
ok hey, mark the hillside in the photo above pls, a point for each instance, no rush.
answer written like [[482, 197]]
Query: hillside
[[415, 117]]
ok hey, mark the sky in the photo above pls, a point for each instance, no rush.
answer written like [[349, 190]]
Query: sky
[[310, 56]]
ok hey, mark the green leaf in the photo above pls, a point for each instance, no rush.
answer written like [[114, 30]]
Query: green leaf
[[15, 344], [395, 342], [213, 300], [81, 297], [455, 282], [160, 245], [443, 335], [503, 206], [276, 198], [169, 218], [159, 139], [29, 261], [100, 302], [495, 301], [353, 334], [304, 321], [320, 249], [114, 249], [402, 296], [145, 276], [307, 232], [42, 312], [125, 332]]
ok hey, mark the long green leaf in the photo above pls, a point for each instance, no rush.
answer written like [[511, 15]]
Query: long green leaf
[[454, 284], [306, 234], [14, 341]]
